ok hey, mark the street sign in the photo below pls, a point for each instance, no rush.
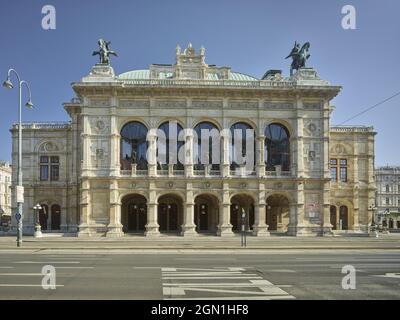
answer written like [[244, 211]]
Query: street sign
[[20, 194], [18, 216]]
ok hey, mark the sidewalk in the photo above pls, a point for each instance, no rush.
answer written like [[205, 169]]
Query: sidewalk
[[389, 241]]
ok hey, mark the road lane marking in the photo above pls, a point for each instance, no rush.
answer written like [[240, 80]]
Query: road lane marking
[[198, 278], [227, 285], [232, 283], [21, 274], [46, 262], [389, 275], [288, 297], [72, 267], [27, 285]]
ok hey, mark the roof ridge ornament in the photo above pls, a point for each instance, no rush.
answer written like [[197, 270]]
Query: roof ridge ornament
[[299, 56], [104, 51]]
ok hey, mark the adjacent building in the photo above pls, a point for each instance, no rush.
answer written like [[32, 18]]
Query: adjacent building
[[95, 175], [388, 193], [5, 189]]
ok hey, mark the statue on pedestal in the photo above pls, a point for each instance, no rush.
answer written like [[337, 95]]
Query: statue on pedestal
[[299, 56], [104, 52]]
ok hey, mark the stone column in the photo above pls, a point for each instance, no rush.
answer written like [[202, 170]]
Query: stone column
[[86, 146], [83, 228], [225, 226], [298, 142], [114, 145], [114, 228], [260, 228], [63, 212], [326, 210], [152, 153], [188, 227], [189, 154], [260, 161], [292, 227], [356, 221], [301, 228], [152, 224], [225, 145], [356, 209]]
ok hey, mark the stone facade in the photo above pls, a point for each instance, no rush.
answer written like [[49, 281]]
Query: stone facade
[[97, 196], [388, 193], [5, 188], [353, 191]]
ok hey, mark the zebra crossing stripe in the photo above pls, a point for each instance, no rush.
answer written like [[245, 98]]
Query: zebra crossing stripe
[[246, 285]]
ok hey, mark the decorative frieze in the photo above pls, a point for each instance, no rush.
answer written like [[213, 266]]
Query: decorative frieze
[[278, 105], [170, 103], [134, 103], [312, 106], [99, 103], [243, 104], [207, 104]]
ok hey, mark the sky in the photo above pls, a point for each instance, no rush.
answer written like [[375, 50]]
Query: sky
[[250, 36]]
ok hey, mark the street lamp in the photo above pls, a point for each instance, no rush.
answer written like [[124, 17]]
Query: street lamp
[[243, 233], [19, 188], [386, 215], [38, 228]]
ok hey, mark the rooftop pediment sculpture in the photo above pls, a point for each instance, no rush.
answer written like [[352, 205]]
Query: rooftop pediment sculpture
[[104, 51], [299, 56]]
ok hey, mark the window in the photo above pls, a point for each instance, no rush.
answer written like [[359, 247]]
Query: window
[[49, 168], [55, 169], [133, 146], [334, 168], [44, 168], [202, 156], [242, 137], [171, 130], [387, 200], [343, 170], [387, 188], [277, 146]]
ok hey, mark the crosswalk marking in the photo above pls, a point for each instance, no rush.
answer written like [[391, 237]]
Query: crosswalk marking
[[46, 262], [27, 285], [232, 283]]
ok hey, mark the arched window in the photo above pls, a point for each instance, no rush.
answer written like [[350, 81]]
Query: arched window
[[133, 146], [169, 128], [213, 143], [277, 147], [242, 132]]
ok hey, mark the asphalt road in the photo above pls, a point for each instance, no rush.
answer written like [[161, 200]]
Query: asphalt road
[[296, 274]]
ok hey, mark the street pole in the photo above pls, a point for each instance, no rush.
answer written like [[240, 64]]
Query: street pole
[[19, 188], [243, 219]]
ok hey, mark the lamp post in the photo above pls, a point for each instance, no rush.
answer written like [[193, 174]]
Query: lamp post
[[19, 188], [243, 220], [38, 228], [386, 215]]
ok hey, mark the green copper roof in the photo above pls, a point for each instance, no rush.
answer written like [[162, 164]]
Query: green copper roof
[[145, 74]]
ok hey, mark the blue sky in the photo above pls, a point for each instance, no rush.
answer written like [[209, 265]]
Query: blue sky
[[251, 36]]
